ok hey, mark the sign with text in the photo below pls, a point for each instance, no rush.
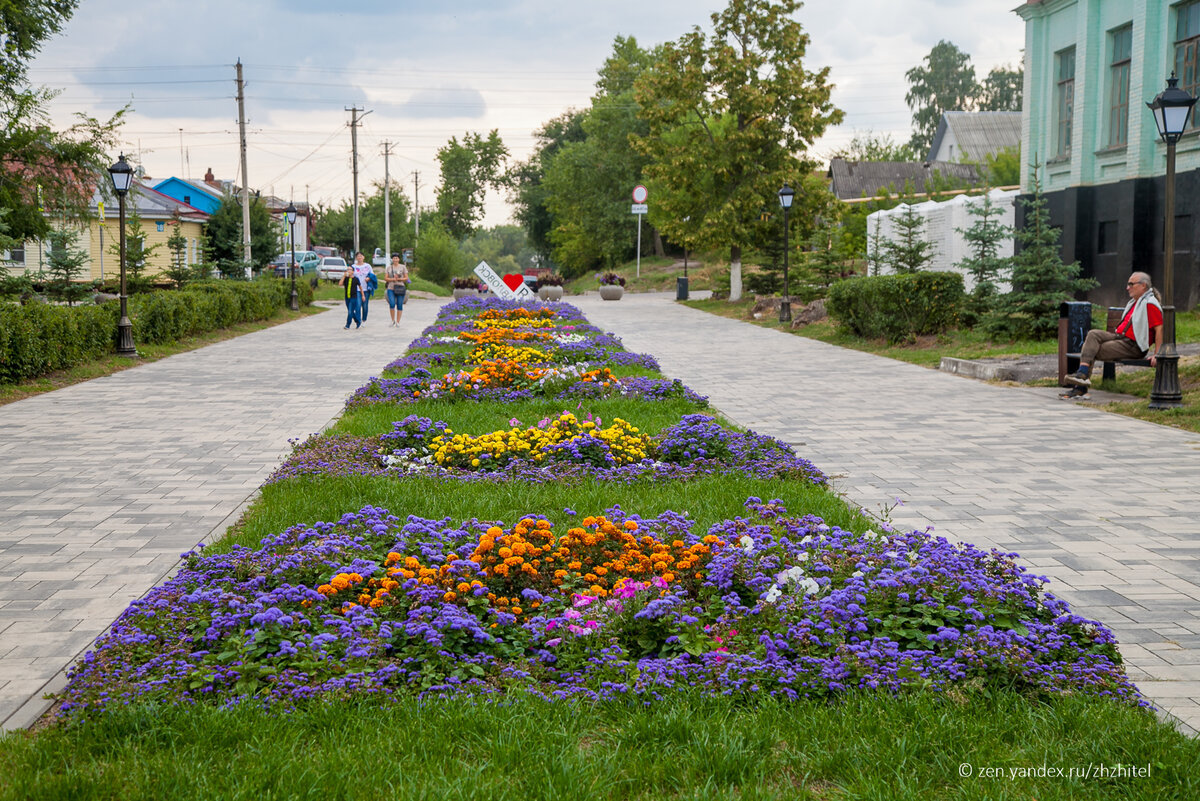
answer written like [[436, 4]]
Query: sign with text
[[639, 208], [508, 287]]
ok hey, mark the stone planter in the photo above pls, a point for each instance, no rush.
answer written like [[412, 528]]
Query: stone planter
[[465, 293], [550, 293], [611, 291]]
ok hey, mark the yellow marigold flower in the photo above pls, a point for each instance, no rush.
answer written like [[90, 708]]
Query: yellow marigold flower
[[463, 587]]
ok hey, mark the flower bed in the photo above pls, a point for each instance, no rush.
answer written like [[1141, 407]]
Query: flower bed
[[771, 603], [614, 604]]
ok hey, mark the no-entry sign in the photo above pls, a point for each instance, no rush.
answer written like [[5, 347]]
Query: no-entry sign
[[640, 194]]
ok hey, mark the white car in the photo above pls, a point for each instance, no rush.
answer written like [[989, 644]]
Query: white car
[[331, 268], [379, 260]]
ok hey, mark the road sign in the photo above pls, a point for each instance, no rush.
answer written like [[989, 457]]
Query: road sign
[[639, 194], [639, 208]]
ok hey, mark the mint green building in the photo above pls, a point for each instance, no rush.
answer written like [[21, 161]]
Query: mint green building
[[1090, 68]]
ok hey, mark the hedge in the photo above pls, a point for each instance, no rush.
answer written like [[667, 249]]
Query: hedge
[[39, 338], [897, 307]]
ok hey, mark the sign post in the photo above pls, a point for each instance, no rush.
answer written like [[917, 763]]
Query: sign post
[[639, 208]]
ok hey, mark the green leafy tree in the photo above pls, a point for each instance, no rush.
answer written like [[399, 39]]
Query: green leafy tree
[[224, 232], [747, 111], [588, 182], [944, 82], [908, 251], [501, 244], [871, 146], [526, 180], [1040, 279], [137, 252], [438, 258], [1003, 168], [1002, 89], [468, 169], [26, 25], [336, 226], [65, 267]]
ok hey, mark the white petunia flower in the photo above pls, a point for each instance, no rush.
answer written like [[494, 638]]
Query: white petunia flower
[[747, 543]]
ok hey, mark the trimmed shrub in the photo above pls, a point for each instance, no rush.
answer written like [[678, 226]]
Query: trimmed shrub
[[897, 307], [39, 338]]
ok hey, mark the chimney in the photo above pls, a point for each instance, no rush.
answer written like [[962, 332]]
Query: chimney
[[209, 178]]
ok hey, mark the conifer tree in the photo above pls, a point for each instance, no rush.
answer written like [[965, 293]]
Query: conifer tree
[[1040, 279], [908, 251], [137, 253], [65, 267], [179, 272]]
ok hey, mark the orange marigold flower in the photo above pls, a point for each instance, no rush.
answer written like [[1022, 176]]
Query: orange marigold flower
[[495, 531], [463, 587], [450, 597], [631, 525], [516, 610], [327, 590]]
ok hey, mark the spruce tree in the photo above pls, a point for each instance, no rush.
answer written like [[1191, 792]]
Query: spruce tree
[[137, 253], [179, 272], [908, 251], [65, 267], [1040, 279], [985, 264]]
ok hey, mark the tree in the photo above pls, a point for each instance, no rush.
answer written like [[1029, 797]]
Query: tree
[[908, 251], [438, 258], [64, 266], [137, 252], [983, 239], [1002, 89], [224, 232], [1040, 279], [1003, 168], [946, 82], [745, 110], [179, 271], [336, 226], [587, 184], [527, 192], [25, 26], [468, 168], [871, 146]]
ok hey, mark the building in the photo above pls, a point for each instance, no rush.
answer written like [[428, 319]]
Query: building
[[206, 195], [1090, 68], [858, 180], [975, 135], [99, 234]]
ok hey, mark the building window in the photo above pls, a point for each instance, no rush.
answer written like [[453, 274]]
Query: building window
[[16, 256], [1065, 100], [1118, 98], [1108, 237], [1187, 48]]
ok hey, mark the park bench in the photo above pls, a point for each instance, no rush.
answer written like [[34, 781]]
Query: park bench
[[1074, 320]]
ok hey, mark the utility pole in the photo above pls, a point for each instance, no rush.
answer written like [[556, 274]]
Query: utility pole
[[416, 206], [354, 123], [241, 100], [387, 205]]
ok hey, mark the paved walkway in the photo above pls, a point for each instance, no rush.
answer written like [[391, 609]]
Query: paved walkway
[[103, 484], [1107, 507]]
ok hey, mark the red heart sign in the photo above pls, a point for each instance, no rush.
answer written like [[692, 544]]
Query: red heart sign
[[513, 281]]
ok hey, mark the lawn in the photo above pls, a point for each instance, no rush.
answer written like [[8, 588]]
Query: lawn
[[541, 580]]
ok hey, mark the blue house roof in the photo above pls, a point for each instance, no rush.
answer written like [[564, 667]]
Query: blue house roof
[[206, 198]]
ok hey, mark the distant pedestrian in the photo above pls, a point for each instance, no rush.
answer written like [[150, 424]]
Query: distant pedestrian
[[1138, 336], [353, 291], [396, 279]]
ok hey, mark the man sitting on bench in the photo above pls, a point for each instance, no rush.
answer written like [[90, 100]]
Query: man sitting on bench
[[1140, 331]]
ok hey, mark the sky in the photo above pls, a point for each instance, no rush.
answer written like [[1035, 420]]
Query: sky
[[425, 71]]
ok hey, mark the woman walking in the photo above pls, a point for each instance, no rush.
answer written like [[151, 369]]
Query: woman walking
[[353, 291], [396, 278]]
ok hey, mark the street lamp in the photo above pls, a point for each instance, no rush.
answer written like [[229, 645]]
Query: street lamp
[[1171, 110], [785, 200], [290, 213], [122, 178]]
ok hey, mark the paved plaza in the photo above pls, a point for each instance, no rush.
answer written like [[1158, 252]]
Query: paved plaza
[[103, 484]]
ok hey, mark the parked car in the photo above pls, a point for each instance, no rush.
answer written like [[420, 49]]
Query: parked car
[[323, 251], [307, 260], [332, 268], [379, 259]]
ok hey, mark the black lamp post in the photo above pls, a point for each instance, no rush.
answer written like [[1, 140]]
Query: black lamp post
[[290, 212], [785, 200], [122, 178], [1171, 110]]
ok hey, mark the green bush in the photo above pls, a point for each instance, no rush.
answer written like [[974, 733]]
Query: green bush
[[39, 338], [897, 307]]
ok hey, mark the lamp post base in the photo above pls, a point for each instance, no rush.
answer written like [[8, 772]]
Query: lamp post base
[[785, 310], [125, 339], [295, 300], [1167, 393]]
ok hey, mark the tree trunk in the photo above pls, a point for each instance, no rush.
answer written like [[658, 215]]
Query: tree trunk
[[658, 245], [735, 273]]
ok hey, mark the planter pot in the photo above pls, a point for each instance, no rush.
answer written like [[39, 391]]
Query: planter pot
[[550, 293], [611, 291], [465, 293]]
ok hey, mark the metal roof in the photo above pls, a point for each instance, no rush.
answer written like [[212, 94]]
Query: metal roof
[[850, 180], [979, 133]]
